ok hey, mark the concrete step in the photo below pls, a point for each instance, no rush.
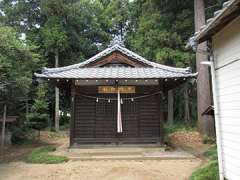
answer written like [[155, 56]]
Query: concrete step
[[112, 151], [129, 157], [122, 153]]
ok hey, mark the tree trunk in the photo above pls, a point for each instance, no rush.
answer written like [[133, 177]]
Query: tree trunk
[[27, 110], [3, 127], [56, 97], [205, 123], [170, 107], [186, 105]]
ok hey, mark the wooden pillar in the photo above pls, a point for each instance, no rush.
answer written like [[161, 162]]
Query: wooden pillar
[[161, 114], [72, 121], [170, 107], [186, 105]]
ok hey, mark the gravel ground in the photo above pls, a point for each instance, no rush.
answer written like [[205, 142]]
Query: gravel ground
[[101, 170]]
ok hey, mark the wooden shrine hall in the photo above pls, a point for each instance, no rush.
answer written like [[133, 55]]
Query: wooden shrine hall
[[116, 96]]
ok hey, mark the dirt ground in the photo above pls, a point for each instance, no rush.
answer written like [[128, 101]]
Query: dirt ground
[[190, 142], [16, 169], [101, 170]]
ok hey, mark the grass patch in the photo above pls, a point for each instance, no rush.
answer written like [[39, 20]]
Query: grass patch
[[176, 127], [207, 172], [210, 170], [41, 156], [212, 153]]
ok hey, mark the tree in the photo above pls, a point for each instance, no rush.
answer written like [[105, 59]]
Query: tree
[[118, 13], [160, 30], [72, 30], [39, 117], [205, 123], [23, 16], [18, 60], [65, 32], [55, 39]]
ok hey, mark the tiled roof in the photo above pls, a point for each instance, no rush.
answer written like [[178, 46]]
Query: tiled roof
[[80, 71], [111, 49], [228, 7], [115, 73]]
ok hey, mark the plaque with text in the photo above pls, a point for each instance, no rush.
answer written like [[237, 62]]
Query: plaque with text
[[113, 89]]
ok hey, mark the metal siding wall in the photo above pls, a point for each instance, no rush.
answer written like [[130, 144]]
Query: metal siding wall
[[227, 54]]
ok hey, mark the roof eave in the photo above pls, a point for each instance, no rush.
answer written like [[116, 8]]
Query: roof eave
[[230, 10], [42, 76]]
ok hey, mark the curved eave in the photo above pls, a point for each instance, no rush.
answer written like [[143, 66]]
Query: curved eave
[[115, 73], [123, 50]]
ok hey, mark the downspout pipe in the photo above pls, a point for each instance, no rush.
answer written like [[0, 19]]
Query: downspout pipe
[[216, 114]]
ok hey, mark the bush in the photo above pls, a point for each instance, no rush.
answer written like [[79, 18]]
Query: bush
[[39, 117], [41, 156], [179, 127], [22, 135]]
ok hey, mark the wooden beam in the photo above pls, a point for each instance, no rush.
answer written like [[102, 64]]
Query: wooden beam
[[116, 56]]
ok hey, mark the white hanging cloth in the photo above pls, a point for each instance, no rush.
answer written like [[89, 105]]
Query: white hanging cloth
[[119, 114]]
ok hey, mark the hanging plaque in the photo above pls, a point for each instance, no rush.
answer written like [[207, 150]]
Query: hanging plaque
[[113, 89]]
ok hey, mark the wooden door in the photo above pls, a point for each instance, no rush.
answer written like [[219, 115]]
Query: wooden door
[[129, 118], [106, 115]]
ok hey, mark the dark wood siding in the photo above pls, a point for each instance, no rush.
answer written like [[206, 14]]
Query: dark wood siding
[[149, 117], [96, 122], [106, 124], [84, 117]]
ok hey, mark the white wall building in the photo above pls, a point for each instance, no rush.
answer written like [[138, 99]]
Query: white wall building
[[223, 33]]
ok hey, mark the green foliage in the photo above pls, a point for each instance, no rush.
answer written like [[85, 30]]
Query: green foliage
[[54, 35], [212, 153], [23, 16], [17, 61], [176, 127], [41, 156], [23, 135], [210, 170], [118, 13], [39, 116], [208, 140], [207, 172], [76, 29], [161, 31]]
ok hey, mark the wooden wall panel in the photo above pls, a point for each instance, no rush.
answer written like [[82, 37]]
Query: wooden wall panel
[[84, 117], [129, 118], [97, 121], [149, 117], [106, 124]]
